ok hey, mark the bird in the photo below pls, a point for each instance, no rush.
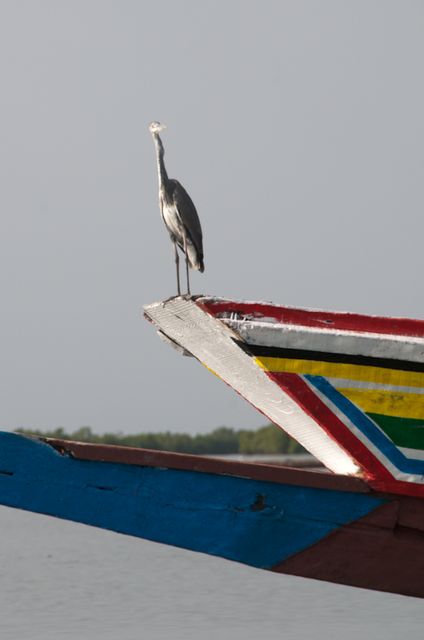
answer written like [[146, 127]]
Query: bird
[[178, 213]]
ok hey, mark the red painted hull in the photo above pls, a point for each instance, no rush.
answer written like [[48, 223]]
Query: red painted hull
[[382, 551]]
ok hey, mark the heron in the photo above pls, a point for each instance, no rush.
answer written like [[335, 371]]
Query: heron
[[178, 213]]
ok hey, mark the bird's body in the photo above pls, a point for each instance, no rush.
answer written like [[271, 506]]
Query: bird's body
[[180, 217], [179, 214]]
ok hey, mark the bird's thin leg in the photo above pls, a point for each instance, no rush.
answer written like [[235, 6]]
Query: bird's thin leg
[[177, 265], [186, 261]]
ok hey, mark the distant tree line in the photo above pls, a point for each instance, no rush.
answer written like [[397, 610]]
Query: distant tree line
[[268, 439]]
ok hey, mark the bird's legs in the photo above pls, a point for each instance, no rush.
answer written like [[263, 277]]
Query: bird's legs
[[186, 261], [177, 265]]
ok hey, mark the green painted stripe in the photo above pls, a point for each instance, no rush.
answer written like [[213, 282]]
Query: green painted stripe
[[404, 432]]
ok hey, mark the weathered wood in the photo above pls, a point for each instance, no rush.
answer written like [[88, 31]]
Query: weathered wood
[[168, 460]]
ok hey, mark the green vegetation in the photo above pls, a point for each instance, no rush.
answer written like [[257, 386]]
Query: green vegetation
[[268, 439]]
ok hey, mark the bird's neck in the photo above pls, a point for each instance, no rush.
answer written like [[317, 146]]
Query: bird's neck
[[160, 152]]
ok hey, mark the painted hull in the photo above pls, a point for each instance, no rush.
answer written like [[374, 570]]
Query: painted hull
[[304, 523], [348, 387]]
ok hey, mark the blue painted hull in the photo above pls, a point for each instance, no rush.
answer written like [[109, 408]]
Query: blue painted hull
[[257, 523]]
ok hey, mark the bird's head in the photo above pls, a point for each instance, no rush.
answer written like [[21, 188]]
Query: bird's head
[[156, 127]]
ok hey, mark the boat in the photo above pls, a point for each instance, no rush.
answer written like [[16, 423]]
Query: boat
[[348, 387]]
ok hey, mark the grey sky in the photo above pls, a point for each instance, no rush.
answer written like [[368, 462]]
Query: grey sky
[[297, 128]]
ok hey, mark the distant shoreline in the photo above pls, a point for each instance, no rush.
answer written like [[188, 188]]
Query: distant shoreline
[[267, 441]]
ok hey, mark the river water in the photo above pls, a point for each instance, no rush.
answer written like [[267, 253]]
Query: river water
[[65, 580]]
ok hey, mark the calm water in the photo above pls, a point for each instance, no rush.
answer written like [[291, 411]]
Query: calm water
[[64, 580]]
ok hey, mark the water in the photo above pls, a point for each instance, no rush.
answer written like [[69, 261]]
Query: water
[[65, 580]]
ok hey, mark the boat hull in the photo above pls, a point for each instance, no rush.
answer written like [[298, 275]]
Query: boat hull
[[292, 521]]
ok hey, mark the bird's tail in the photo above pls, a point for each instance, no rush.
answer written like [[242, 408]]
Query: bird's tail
[[195, 260]]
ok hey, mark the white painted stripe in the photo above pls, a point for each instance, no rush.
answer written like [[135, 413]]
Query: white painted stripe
[[288, 336], [347, 383], [412, 454]]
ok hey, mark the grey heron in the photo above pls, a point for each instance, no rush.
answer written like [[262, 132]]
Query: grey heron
[[178, 213]]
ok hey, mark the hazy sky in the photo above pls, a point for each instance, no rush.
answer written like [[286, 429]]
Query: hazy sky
[[296, 126]]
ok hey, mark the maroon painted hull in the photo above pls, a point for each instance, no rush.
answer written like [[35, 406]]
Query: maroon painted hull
[[382, 551]]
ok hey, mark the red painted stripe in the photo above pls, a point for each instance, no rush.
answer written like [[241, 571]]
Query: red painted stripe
[[398, 486], [297, 388], [320, 319]]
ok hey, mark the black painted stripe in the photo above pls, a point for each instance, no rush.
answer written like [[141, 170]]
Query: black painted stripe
[[325, 356]]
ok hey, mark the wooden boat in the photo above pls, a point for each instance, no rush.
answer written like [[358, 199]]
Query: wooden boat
[[348, 387]]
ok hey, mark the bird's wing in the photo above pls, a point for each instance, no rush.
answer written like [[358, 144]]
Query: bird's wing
[[188, 214]]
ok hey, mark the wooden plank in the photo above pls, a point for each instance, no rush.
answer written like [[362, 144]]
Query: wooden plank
[[168, 460], [316, 318]]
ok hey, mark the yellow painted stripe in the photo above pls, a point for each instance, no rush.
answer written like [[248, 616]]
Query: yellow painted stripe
[[387, 403], [341, 370]]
